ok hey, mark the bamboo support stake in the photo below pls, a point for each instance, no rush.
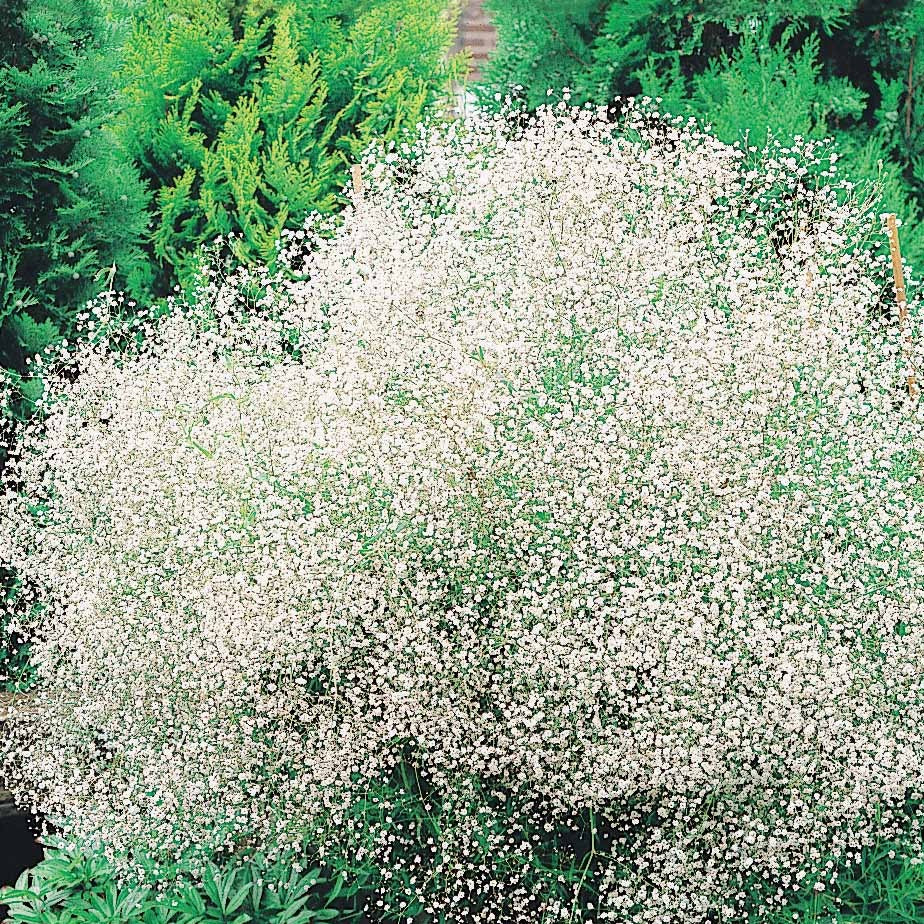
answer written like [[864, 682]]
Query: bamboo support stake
[[901, 298], [357, 173]]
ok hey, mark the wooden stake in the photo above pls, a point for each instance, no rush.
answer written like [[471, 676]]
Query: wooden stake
[[357, 173], [901, 298]]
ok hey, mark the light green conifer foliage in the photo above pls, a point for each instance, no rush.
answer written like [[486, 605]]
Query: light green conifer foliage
[[245, 117]]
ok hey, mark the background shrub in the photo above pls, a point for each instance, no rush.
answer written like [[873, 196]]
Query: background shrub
[[229, 118], [850, 69], [243, 116], [71, 203]]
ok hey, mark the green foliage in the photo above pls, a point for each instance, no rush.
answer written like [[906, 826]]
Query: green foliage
[[16, 673], [884, 887], [76, 888], [243, 117], [736, 91], [71, 205], [542, 44], [850, 69]]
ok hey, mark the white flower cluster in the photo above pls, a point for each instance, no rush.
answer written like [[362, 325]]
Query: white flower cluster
[[573, 475]]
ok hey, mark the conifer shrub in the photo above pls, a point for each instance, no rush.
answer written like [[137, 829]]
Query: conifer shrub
[[244, 116], [548, 541], [851, 69], [72, 207]]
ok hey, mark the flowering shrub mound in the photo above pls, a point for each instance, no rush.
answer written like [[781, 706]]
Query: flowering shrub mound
[[550, 538]]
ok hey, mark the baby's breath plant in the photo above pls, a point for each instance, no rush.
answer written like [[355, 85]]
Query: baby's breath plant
[[548, 540]]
